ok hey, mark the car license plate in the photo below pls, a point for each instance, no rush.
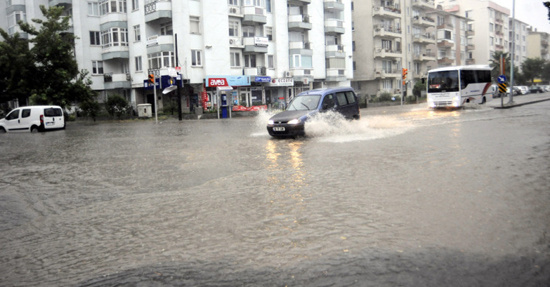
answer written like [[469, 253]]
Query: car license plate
[[50, 123], [278, 129]]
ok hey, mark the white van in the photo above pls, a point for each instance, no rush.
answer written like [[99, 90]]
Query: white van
[[33, 119]]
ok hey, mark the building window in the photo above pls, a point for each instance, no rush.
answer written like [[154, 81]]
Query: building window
[[194, 22], [115, 37], [233, 2], [234, 28], [235, 59], [95, 38], [93, 9], [248, 31], [166, 29], [139, 66], [269, 33], [196, 58], [135, 5], [97, 67], [137, 33], [268, 6], [250, 61], [112, 6], [270, 61], [161, 60], [387, 85]]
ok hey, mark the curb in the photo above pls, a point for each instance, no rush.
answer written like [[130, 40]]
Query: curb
[[513, 105]]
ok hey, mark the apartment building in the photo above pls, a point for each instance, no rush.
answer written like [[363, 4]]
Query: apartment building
[[490, 27], [390, 36], [266, 50], [537, 44], [519, 31]]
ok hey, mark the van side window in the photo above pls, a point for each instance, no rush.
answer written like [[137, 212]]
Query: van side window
[[25, 113], [51, 112], [341, 99], [351, 97], [328, 102], [13, 115]]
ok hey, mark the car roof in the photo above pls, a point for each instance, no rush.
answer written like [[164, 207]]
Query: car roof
[[326, 91]]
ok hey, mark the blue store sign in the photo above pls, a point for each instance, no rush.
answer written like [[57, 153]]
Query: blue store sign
[[262, 79]]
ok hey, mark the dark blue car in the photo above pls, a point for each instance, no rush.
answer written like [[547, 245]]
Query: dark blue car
[[305, 105]]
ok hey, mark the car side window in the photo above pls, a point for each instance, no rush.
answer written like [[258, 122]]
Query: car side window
[[328, 102], [351, 97], [13, 115], [25, 113], [342, 101]]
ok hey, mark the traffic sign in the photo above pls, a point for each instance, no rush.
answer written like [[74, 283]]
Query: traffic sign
[[502, 88], [501, 79]]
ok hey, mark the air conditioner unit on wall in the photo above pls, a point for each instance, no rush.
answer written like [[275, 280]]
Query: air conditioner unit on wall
[[231, 41], [233, 10], [288, 74]]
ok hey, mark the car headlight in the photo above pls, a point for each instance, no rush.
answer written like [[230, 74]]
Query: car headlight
[[294, 122], [270, 122]]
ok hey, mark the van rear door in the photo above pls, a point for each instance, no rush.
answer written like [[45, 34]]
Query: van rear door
[[53, 118]]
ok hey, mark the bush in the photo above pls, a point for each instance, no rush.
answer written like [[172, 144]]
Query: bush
[[117, 106], [90, 108]]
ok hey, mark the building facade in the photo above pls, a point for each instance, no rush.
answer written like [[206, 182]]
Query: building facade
[[537, 45], [266, 50]]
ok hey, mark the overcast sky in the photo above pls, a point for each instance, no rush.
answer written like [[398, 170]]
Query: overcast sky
[[531, 12]]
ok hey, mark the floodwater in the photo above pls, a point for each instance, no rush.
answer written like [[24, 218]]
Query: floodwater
[[403, 197]]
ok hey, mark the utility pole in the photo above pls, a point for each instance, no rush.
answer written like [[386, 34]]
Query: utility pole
[[511, 96], [179, 80]]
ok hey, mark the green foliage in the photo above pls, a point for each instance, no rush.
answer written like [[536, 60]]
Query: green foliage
[[418, 88], [495, 64], [16, 68], [385, 97], [48, 72], [532, 68], [117, 106], [90, 108]]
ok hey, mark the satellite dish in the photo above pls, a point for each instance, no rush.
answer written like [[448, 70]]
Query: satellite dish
[[169, 89]]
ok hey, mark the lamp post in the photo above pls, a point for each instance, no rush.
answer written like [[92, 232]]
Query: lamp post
[[512, 56]]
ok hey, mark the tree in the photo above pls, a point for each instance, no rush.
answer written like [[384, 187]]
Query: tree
[[56, 79], [418, 88], [16, 68], [532, 68], [547, 4], [495, 64], [117, 106]]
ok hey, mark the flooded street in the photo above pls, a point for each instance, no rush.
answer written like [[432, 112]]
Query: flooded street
[[405, 196]]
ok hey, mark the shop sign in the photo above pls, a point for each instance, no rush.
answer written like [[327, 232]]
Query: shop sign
[[224, 81], [282, 82], [261, 41], [262, 79]]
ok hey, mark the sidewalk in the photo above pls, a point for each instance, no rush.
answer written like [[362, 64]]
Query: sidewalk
[[518, 101]]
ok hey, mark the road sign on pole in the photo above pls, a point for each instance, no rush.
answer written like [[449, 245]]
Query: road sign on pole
[[501, 79]]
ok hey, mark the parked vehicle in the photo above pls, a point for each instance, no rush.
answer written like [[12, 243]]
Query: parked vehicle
[[536, 89], [33, 119], [524, 90], [306, 105]]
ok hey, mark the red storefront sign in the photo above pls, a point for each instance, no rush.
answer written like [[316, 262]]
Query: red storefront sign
[[217, 82]]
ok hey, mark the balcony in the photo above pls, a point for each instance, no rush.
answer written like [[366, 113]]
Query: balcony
[[470, 33], [424, 4], [120, 19], [236, 42], [63, 3], [299, 23], [255, 71], [381, 31], [117, 81], [470, 47], [334, 26], [387, 53], [300, 48], [424, 38], [423, 21], [334, 5], [424, 57], [385, 74], [255, 44], [470, 61], [253, 15], [386, 12], [445, 44], [159, 43], [446, 61], [336, 75], [158, 10], [299, 2], [334, 51]]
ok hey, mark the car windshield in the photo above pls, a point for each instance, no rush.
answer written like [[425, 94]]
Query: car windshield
[[304, 103]]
